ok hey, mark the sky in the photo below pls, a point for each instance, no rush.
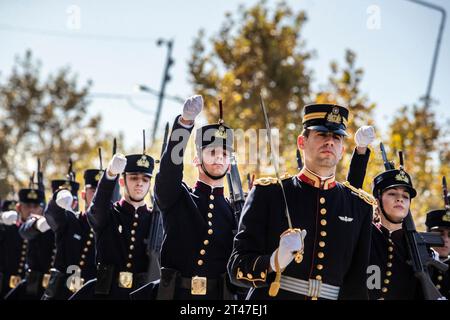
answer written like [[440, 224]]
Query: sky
[[113, 43]]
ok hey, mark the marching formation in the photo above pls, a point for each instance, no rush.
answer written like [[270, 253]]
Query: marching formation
[[303, 237]]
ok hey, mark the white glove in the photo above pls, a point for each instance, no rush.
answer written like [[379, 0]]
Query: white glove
[[42, 225], [364, 136], [9, 217], [192, 107], [64, 199], [117, 164], [289, 244]]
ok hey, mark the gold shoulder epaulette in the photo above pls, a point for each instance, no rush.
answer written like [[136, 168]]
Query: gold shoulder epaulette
[[265, 181], [285, 176], [362, 194]]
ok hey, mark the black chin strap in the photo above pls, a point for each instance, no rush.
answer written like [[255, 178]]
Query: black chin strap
[[128, 191], [384, 212], [210, 175]]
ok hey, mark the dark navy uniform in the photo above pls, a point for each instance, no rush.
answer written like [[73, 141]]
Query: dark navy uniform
[[121, 233], [336, 247], [337, 218], [39, 260], [440, 219], [390, 253], [13, 250], [199, 225], [74, 248]]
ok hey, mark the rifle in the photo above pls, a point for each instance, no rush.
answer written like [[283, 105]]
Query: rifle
[[156, 228], [40, 179], [445, 195], [116, 193], [237, 197], [420, 259]]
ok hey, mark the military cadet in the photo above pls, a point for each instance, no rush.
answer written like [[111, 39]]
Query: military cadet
[[121, 229], [75, 252], [38, 244], [12, 248], [198, 222], [439, 221], [394, 191], [330, 233]]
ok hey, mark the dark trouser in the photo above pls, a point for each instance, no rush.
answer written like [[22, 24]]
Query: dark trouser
[[57, 287], [173, 286], [106, 286]]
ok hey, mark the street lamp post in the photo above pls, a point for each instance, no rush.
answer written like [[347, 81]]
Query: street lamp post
[[437, 47], [166, 77]]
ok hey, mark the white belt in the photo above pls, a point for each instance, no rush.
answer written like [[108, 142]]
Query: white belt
[[311, 288]]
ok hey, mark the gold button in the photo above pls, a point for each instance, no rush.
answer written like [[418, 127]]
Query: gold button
[[321, 244], [81, 263], [211, 197], [322, 200], [389, 264], [91, 235], [202, 252], [240, 274], [319, 267], [21, 264], [206, 242], [200, 262], [389, 273], [384, 289], [210, 231], [438, 286], [133, 232], [391, 249], [323, 233], [323, 222], [439, 278], [263, 275], [22, 258], [323, 211], [130, 256], [19, 271], [319, 277], [85, 249], [24, 252], [134, 224], [136, 215], [390, 256], [210, 223], [83, 256], [24, 246], [132, 247], [133, 239], [313, 298], [89, 242], [249, 275], [386, 281], [128, 265], [211, 206], [210, 215], [321, 255]]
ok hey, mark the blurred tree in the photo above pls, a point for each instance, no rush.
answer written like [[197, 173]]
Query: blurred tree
[[45, 119], [343, 88], [257, 51]]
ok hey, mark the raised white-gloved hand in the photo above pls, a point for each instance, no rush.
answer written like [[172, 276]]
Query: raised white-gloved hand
[[290, 243], [42, 225], [364, 136], [64, 199], [9, 217], [117, 165], [192, 107]]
